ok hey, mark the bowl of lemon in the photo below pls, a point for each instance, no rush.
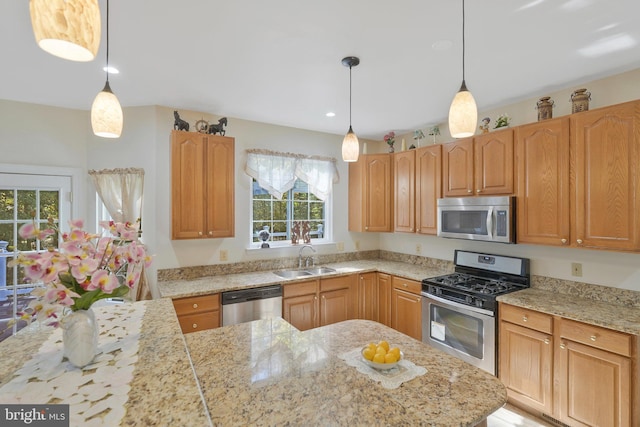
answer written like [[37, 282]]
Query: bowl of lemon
[[381, 356]]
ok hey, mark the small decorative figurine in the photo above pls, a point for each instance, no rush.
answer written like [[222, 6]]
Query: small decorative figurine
[[390, 139], [580, 100], [202, 126], [434, 131], [306, 232], [295, 233], [502, 121], [264, 236], [219, 128], [418, 135], [180, 124], [545, 108], [484, 127]]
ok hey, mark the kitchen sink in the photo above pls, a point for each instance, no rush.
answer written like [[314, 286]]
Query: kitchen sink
[[311, 271]]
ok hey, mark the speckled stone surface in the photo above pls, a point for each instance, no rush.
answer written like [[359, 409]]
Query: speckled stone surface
[[221, 283], [623, 318], [267, 372], [164, 390]]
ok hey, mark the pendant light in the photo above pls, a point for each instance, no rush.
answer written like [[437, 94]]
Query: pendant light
[[106, 113], [69, 29], [350, 144], [463, 113]]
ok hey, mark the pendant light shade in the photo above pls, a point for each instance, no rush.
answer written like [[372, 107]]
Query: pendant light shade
[[463, 113], [350, 144], [106, 113], [69, 29]]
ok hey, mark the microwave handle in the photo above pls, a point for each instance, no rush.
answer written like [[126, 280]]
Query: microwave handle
[[490, 223]]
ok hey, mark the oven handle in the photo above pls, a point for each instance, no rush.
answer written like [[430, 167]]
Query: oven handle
[[458, 305], [490, 222]]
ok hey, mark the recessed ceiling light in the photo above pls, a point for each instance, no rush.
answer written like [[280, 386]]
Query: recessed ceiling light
[[331, 114], [111, 70], [442, 45]]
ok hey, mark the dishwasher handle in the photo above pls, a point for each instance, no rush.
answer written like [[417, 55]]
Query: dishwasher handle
[[253, 294]]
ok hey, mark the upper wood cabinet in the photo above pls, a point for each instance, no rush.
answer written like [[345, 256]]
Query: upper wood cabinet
[[428, 188], [202, 183], [542, 164], [482, 165], [605, 156], [370, 193], [404, 180]]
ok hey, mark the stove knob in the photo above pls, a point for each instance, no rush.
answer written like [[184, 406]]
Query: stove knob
[[479, 303], [469, 299], [438, 291]]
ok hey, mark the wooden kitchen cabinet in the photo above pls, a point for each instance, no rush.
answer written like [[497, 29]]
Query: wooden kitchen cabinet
[[404, 181], [384, 299], [371, 193], [542, 153], [526, 357], [481, 166], [406, 306], [428, 188], [580, 374], [198, 313], [202, 185], [314, 303], [368, 296], [606, 194]]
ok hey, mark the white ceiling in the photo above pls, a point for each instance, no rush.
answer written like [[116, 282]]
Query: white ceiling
[[278, 61]]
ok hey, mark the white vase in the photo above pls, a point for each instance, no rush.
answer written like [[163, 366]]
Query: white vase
[[80, 337]]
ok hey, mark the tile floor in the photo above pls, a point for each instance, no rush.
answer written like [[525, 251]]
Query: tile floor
[[510, 416]]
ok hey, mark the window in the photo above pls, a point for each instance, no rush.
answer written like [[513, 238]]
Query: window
[[24, 198], [297, 205]]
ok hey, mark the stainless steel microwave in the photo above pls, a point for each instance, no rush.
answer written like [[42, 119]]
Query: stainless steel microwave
[[477, 218]]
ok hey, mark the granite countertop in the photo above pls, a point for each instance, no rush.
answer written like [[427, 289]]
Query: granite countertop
[[267, 372], [215, 284], [623, 318]]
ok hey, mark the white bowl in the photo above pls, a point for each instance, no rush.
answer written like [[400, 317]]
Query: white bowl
[[381, 366]]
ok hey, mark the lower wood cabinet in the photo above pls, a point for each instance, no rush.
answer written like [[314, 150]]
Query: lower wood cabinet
[[198, 313], [406, 307], [368, 296], [579, 374], [314, 303], [384, 299]]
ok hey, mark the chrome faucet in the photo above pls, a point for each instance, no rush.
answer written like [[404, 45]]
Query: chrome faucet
[[300, 256]]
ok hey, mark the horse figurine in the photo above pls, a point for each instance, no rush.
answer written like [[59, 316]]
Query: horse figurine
[[213, 129], [180, 124]]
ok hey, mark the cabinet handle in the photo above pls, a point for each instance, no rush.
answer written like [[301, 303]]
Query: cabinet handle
[[366, 228], [525, 319], [562, 346], [579, 241], [593, 338], [564, 241], [547, 340], [195, 305], [211, 233], [469, 191], [478, 191], [195, 326], [405, 285], [199, 233], [323, 297]]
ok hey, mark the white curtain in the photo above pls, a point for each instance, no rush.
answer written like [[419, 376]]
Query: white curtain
[[277, 172], [121, 193]]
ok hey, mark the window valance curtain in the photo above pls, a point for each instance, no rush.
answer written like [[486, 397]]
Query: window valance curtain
[[277, 172]]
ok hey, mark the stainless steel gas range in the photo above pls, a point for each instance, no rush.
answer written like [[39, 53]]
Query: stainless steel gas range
[[459, 310]]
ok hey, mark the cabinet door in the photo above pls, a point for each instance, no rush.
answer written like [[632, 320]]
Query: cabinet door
[[542, 152], [593, 386], [606, 152], [220, 186], [404, 191], [493, 163], [378, 193], [335, 306], [384, 299], [368, 296], [457, 168], [357, 199], [187, 185], [301, 311], [526, 360], [428, 188], [406, 307]]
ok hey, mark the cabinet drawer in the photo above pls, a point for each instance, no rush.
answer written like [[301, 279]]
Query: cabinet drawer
[[335, 283], [298, 289], [407, 285], [199, 304], [595, 336], [528, 318], [199, 322]]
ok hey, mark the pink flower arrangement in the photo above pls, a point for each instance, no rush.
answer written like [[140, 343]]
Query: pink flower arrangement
[[84, 269], [390, 138]]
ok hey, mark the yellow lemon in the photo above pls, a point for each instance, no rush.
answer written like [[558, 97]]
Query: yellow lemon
[[378, 358], [384, 344], [368, 353], [390, 358], [372, 346], [395, 351], [381, 350]]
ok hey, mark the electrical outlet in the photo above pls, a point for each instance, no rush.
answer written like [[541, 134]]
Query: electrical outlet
[[418, 248], [357, 245], [340, 246], [224, 255], [576, 269]]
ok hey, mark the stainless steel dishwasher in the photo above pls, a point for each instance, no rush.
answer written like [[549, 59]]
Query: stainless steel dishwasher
[[246, 305]]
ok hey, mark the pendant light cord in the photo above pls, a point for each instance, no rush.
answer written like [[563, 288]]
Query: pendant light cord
[[108, 42], [463, 55], [349, 96]]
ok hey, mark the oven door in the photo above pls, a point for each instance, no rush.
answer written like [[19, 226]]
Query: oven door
[[466, 332]]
